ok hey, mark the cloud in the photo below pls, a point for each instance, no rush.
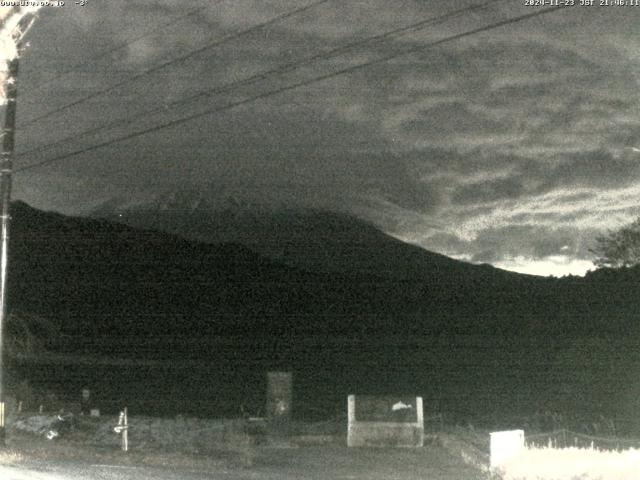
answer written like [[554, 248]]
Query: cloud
[[451, 119], [513, 146]]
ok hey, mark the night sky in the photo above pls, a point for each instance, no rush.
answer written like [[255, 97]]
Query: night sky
[[515, 146]]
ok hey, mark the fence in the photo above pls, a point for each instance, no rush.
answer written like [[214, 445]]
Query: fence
[[563, 438]]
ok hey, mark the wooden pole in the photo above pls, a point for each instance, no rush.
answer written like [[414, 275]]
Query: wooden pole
[[6, 170]]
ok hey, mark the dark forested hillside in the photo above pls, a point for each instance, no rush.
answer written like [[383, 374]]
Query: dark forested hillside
[[99, 277], [462, 335]]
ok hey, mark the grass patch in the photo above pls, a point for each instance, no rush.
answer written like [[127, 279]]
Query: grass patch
[[10, 457]]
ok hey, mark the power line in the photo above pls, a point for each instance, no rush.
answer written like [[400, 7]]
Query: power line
[[287, 88], [122, 45], [262, 75], [176, 60]]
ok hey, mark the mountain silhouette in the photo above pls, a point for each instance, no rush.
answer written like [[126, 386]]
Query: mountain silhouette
[[102, 277], [312, 239]]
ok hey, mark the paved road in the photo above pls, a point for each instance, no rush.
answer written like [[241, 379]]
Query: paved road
[[312, 463], [70, 471]]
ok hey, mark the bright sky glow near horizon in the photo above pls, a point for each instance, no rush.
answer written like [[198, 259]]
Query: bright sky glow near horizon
[[515, 146], [559, 266]]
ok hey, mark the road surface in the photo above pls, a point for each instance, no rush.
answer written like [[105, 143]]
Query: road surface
[[69, 471], [309, 463]]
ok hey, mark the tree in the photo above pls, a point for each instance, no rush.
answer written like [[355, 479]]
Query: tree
[[618, 248]]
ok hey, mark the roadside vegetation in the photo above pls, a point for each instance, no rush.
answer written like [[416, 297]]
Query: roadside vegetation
[[460, 453]]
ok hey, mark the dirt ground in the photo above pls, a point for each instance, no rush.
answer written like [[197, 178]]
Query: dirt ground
[[313, 462], [196, 448], [329, 461], [323, 462]]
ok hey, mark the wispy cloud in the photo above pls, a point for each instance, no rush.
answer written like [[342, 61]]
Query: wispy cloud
[[513, 147]]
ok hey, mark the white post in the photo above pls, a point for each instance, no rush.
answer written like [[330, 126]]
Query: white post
[[419, 411], [125, 432], [123, 429], [351, 409], [420, 419]]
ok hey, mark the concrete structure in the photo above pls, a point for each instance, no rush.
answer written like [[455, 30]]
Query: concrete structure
[[505, 445], [279, 400], [85, 404], [279, 395], [385, 421]]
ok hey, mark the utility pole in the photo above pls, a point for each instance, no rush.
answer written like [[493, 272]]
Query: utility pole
[[6, 169]]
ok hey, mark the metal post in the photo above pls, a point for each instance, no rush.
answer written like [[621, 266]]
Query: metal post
[[6, 169]]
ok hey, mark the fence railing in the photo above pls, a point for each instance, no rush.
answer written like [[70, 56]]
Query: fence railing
[[563, 438]]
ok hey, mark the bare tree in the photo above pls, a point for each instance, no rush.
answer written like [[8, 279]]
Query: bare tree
[[618, 248]]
